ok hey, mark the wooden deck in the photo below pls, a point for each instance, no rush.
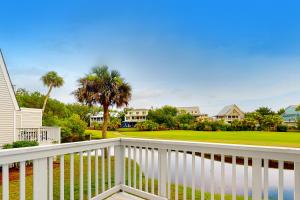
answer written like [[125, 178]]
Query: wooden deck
[[123, 196]]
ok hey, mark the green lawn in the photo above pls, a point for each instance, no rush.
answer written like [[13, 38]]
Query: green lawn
[[284, 139]]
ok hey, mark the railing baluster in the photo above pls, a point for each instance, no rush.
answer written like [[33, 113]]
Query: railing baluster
[[89, 183], [280, 180], [146, 169], [109, 167], [176, 174], [129, 166], [163, 172], [297, 180], [222, 177], [140, 171], [184, 175], [202, 176], [50, 176], [124, 164], [193, 175], [266, 179], [134, 167], [103, 169], [169, 173], [152, 174], [96, 172], [81, 176], [246, 185], [22, 180], [233, 178], [159, 171], [212, 176], [71, 176], [5, 182], [62, 177]]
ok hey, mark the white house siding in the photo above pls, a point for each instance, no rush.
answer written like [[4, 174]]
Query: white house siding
[[6, 112], [29, 118], [18, 120]]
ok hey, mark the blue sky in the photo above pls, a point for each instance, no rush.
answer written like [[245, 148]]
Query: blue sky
[[181, 53]]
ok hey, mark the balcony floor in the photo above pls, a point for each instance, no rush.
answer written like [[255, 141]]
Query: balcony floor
[[123, 196]]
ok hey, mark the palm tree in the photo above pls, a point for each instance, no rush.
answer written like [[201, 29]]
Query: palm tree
[[51, 80], [103, 87]]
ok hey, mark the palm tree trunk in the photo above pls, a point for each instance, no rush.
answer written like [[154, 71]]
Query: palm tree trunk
[[105, 122], [47, 97]]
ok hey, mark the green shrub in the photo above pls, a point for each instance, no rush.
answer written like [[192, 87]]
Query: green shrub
[[72, 127], [147, 125], [7, 146], [20, 144], [282, 128], [114, 123]]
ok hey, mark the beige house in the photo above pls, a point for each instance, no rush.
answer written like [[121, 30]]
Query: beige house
[[230, 113], [133, 116], [20, 123], [194, 111]]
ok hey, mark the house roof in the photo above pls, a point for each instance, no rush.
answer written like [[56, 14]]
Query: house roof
[[291, 110], [3, 68], [228, 109]]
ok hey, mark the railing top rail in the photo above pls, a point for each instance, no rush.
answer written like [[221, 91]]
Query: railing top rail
[[29, 153], [270, 152]]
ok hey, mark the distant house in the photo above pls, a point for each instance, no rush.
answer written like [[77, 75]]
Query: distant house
[[230, 113], [291, 116], [194, 111], [20, 123], [133, 116], [98, 117]]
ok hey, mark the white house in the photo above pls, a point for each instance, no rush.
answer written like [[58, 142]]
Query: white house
[[20, 123], [98, 117]]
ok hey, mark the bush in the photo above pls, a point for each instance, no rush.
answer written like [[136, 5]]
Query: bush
[[114, 123], [282, 128], [72, 127], [20, 144], [147, 125], [7, 146]]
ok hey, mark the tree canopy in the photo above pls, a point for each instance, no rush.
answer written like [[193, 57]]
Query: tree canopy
[[103, 87]]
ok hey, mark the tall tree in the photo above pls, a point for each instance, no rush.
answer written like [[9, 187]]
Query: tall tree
[[51, 80], [103, 87]]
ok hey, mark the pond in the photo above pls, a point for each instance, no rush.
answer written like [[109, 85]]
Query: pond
[[273, 175]]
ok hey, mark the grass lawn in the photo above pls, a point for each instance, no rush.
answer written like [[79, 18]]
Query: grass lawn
[[14, 181], [283, 139]]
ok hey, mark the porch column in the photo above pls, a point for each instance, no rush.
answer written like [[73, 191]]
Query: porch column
[[256, 179], [119, 165]]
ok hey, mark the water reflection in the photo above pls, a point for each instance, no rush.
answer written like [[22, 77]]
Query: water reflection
[[273, 175]]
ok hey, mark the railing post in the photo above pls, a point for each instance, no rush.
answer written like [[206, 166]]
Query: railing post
[[119, 164], [297, 180], [163, 172], [256, 179], [40, 179]]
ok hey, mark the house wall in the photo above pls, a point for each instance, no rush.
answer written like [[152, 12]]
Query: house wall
[[29, 118], [6, 111]]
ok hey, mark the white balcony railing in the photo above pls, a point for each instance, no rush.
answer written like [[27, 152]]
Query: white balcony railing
[[152, 169], [43, 135]]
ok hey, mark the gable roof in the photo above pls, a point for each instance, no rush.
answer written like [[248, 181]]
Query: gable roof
[[7, 79], [227, 109], [291, 110]]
